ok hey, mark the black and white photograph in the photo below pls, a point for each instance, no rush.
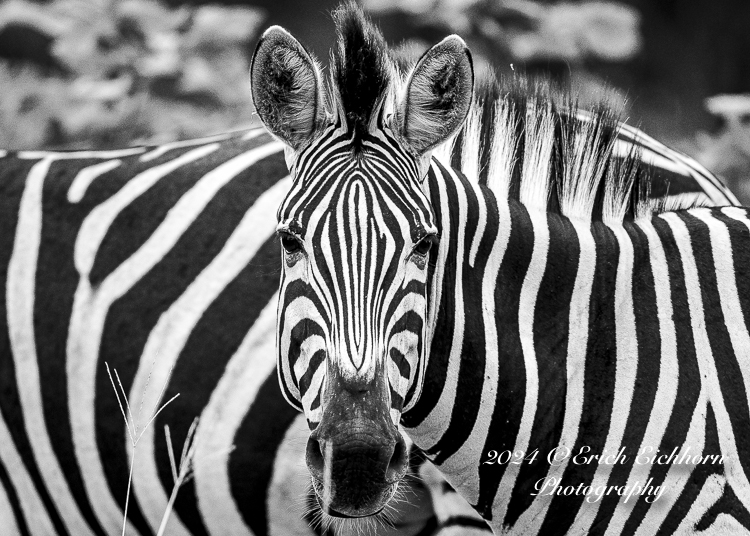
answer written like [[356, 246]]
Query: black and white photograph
[[374, 267]]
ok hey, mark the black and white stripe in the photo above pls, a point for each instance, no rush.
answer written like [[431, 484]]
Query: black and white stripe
[[588, 334], [159, 259], [117, 257], [565, 281], [151, 260], [377, 308]]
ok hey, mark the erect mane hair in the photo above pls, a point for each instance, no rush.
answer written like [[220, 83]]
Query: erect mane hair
[[531, 142], [362, 71], [523, 138]]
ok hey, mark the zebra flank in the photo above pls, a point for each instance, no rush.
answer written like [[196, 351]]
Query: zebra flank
[[117, 257], [588, 337]]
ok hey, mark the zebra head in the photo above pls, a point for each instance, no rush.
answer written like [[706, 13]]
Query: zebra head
[[356, 231]]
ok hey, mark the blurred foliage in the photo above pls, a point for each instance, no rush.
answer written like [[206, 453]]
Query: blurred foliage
[[134, 71], [727, 150], [528, 30], [127, 71], [503, 34]]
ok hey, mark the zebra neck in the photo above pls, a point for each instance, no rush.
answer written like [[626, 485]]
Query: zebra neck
[[519, 293]]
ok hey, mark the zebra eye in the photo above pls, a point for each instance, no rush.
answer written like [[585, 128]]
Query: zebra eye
[[424, 245], [290, 243]]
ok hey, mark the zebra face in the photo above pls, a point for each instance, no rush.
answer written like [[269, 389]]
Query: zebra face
[[357, 233], [356, 243]]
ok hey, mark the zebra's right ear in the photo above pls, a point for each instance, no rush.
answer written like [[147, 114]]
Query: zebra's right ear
[[286, 88], [438, 96]]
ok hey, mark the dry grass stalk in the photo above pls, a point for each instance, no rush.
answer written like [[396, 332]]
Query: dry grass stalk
[[134, 431], [182, 473]]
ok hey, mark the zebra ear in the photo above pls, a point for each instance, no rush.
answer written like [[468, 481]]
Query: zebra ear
[[286, 88], [438, 95]]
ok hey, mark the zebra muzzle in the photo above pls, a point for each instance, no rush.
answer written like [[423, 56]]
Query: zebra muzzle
[[356, 473]]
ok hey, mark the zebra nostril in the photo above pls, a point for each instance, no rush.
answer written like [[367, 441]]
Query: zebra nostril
[[315, 458], [397, 464]]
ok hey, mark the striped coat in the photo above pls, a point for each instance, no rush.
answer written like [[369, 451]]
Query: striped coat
[[566, 339], [523, 325]]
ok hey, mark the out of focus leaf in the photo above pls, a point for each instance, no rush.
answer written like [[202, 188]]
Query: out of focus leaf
[[222, 26], [28, 108], [572, 31], [409, 6], [33, 15], [164, 58], [113, 90], [727, 152]]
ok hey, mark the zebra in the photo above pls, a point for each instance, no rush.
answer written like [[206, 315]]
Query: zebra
[[163, 248], [162, 263], [555, 341]]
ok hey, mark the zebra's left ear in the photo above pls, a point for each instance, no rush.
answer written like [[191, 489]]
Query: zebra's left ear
[[286, 88], [437, 97]]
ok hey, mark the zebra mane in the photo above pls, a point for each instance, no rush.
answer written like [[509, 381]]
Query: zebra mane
[[528, 141], [523, 138], [362, 72]]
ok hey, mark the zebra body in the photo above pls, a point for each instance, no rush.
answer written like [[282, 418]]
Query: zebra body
[[115, 257], [544, 305], [123, 217], [586, 338], [160, 262]]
